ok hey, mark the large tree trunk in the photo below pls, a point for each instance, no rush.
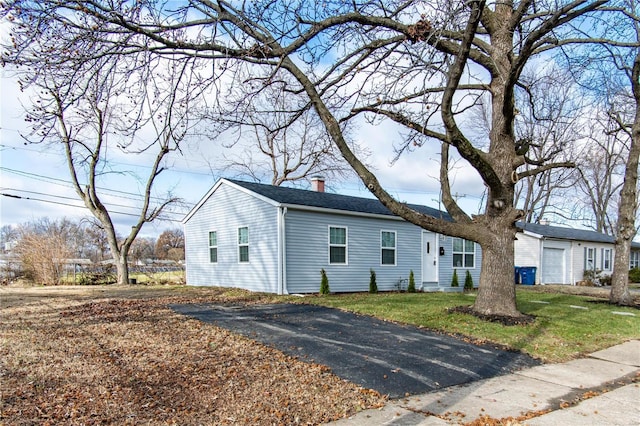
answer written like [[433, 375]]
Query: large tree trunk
[[497, 291], [620, 294], [122, 268]]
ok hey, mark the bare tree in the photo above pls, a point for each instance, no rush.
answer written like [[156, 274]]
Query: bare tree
[[276, 140], [97, 240], [142, 248], [628, 207], [170, 245], [547, 125], [421, 65], [611, 70], [601, 170], [96, 109]]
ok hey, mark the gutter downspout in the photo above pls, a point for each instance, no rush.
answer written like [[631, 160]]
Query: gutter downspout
[[540, 254], [282, 252], [572, 278]]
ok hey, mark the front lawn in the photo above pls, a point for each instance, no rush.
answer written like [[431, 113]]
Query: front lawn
[[118, 355], [566, 326]]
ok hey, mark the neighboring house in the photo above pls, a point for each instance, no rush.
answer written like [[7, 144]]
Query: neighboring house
[[277, 239], [562, 255]]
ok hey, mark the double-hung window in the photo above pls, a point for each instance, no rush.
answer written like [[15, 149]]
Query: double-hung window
[[634, 260], [607, 255], [388, 248], [464, 253], [337, 245], [213, 246], [243, 244], [589, 259]]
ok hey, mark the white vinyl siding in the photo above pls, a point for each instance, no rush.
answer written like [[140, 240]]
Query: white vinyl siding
[[243, 244], [337, 245], [464, 253], [307, 252], [225, 210], [213, 247], [388, 248]]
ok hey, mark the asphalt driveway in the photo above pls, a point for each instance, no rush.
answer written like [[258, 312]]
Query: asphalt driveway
[[393, 359]]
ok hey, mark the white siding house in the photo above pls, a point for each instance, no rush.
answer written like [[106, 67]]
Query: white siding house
[[562, 255], [277, 239]]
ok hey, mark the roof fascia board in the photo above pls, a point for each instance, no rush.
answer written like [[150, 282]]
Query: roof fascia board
[[202, 201], [532, 234]]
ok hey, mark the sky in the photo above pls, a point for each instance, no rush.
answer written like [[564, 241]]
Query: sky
[[39, 176]]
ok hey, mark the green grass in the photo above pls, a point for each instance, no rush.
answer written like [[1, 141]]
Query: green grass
[[559, 333]]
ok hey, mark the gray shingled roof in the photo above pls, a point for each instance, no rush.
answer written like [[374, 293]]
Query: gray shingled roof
[[302, 197], [566, 233]]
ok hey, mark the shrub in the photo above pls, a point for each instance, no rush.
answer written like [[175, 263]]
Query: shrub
[[411, 288], [324, 282], [454, 279], [596, 278], [634, 275], [605, 279], [373, 286], [468, 281]]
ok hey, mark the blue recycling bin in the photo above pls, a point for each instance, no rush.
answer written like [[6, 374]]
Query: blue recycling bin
[[527, 275], [516, 271]]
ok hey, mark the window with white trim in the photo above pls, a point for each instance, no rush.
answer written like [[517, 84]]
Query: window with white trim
[[213, 246], [337, 245], [607, 255], [589, 259], [634, 259], [243, 244], [464, 253], [388, 247]]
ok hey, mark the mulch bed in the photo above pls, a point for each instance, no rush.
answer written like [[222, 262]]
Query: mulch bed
[[502, 319]]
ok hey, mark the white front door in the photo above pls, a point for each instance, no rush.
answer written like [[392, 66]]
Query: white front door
[[429, 257]]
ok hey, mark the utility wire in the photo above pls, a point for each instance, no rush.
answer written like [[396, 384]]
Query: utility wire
[[62, 182], [83, 207]]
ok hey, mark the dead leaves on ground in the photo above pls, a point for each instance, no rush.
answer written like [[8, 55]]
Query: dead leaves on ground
[[135, 361]]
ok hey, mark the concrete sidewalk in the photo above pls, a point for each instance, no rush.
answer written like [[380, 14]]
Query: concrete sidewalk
[[597, 390]]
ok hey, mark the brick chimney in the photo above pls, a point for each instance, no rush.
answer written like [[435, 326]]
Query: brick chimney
[[317, 183]]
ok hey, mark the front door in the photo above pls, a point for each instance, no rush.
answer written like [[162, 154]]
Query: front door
[[429, 257]]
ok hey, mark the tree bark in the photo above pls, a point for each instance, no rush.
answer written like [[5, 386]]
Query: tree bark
[[497, 294], [627, 208], [122, 268]]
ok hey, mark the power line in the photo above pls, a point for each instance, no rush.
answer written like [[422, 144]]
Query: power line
[[178, 170], [74, 199], [62, 182], [85, 207]]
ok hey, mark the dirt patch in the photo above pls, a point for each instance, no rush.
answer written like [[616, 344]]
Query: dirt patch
[[502, 319], [120, 356]]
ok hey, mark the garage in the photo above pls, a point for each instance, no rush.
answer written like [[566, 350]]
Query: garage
[[552, 265]]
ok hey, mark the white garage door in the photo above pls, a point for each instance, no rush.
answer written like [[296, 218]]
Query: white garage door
[[552, 266]]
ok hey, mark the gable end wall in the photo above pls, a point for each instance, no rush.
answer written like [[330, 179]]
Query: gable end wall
[[226, 210]]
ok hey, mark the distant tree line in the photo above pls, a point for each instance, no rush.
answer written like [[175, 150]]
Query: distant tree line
[[44, 250]]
